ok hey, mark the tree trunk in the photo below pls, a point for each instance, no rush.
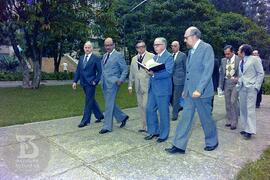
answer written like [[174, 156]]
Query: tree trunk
[[56, 64], [22, 60], [57, 58], [36, 74]]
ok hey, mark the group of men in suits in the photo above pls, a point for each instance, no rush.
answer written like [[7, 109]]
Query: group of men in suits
[[241, 78], [112, 71], [184, 76]]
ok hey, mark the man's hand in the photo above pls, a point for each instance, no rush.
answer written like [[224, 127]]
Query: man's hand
[[150, 73], [196, 94], [130, 91], [74, 86], [118, 82], [93, 83]]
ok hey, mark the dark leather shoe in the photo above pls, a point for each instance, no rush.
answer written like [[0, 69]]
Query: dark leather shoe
[[211, 148], [227, 125], [81, 125], [233, 127], [151, 136], [247, 136], [142, 130], [99, 120], [161, 140], [242, 132], [124, 122], [174, 150], [173, 119], [181, 109], [103, 131]]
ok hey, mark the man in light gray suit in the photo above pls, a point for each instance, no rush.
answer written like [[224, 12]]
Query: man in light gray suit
[[228, 79], [179, 74], [114, 73], [251, 76], [140, 78], [198, 93]]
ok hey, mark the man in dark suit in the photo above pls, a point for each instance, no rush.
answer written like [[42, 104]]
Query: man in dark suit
[[88, 72], [179, 74], [198, 93]]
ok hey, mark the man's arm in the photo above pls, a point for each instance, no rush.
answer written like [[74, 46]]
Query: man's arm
[[77, 73], [131, 75], [208, 64], [260, 74], [98, 70], [221, 76], [124, 68]]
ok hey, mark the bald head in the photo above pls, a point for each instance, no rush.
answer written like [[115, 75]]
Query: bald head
[[192, 35], [109, 44], [255, 53], [175, 46]]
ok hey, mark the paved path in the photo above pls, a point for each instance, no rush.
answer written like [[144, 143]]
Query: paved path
[[60, 150], [5, 84]]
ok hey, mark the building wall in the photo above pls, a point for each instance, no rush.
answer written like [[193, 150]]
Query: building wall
[[48, 65]]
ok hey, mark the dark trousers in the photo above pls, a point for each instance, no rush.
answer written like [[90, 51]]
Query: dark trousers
[[90, 105], [259, 98]]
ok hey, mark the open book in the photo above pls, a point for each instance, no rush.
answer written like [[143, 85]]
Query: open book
[[152, 65]]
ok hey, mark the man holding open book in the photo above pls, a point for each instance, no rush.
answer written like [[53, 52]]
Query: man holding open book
[[160, 89]]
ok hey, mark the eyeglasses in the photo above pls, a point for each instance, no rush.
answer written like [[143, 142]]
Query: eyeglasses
[[137, 47], [108, 45], [173, 45], [186, 37], [155, 45]]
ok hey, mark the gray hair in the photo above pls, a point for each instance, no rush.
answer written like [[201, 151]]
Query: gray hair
[[194, 31], [88, 43], [163, 40]]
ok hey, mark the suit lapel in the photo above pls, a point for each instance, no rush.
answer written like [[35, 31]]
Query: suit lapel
[[89, 60], [191, 57], [247, 64]]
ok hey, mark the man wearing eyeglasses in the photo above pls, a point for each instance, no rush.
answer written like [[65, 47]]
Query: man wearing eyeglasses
[[198, 93], [114, 73], [140, 78], [159, 93], [179, 74]]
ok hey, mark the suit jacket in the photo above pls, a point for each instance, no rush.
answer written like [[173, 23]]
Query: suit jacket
[[91, 72], [179, 70], [222, 73], [138, 76], [115, 69], [199, 71], [253, 74], [161, 81]]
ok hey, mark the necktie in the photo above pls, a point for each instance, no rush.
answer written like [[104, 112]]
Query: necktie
[[140, 59], [105, 61], [85, 61], [242, 65], [173, 56]]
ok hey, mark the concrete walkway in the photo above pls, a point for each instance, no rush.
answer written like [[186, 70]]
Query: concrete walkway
[[57, 149], [6, 84]]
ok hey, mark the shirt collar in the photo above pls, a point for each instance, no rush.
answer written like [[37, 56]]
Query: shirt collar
[[196, 44], [161, 53], [89, 55], [232, 59], [142, 54]]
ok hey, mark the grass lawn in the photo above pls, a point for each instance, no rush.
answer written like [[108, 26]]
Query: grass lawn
[[50, 102], [258, 170]]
